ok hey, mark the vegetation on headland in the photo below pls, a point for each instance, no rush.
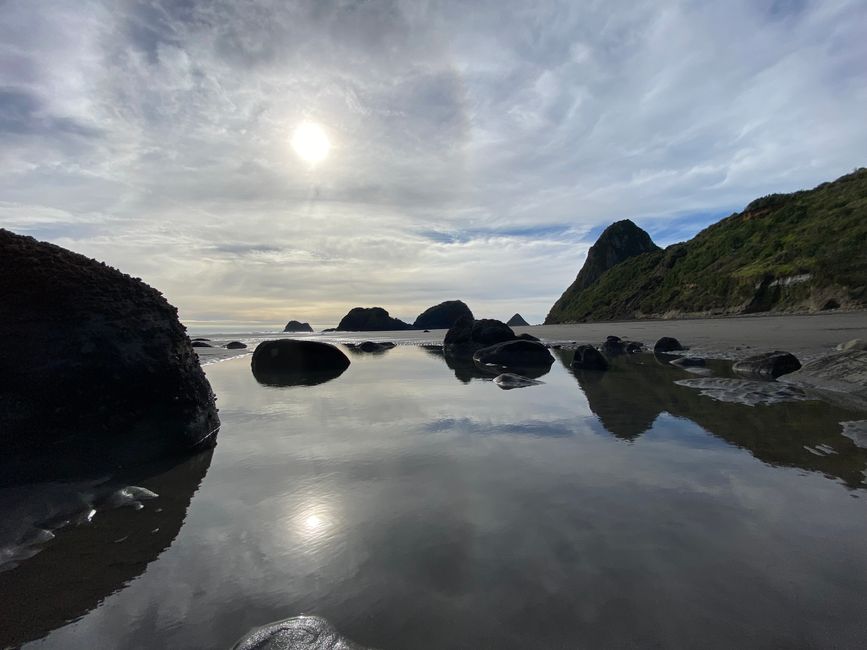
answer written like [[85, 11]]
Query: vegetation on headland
[[785, 252]]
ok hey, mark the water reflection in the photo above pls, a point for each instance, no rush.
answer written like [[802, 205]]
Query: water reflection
[[87, 562], [466, 369], [629, 398], [284, 378]]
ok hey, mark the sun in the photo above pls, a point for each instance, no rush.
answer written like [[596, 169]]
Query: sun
[[310, 142]]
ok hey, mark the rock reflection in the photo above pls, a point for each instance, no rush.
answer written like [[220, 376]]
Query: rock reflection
[[283, 378], [96, 556], [628, 398], [466, 369]]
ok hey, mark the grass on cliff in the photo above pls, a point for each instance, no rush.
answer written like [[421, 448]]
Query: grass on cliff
[[729, 266]]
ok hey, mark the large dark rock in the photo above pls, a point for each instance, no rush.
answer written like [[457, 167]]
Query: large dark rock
[[517, 321], [370, 319], [299, 633], [294, 362], [667, 344], [515, 354], [297, 326], [620, 241], [467, 332], [769, 365], [100, 372], [442, 316], [588, 358]]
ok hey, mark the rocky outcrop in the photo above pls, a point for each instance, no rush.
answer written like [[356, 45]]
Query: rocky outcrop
[[840, 377], [469, 333], [299, 633], [373, 346], [101, 371], [517, 321], [236, 345], [370, 319], [769, 365], [297, 326], [667, 344], [442, 316], [620, 241], [294, 362]]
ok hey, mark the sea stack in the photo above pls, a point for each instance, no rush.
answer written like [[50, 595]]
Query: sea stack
[[297, 326], [517, 321], [442, 316], [97, 370], [369, 319]]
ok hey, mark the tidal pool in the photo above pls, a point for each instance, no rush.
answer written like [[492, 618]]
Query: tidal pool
[[415, 505]]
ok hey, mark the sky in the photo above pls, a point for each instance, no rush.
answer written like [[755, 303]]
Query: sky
[[476, 149]]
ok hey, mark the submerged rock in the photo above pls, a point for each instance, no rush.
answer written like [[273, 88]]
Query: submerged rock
[[101, 372], [744, 391], [298, 633], [297, 326], [374, 346], [201, 344], [508, 381], [236, 345], [515, 354], [769, 365], [588, 358], [468, 332], [667, 344], [297, 362], [442, 316]]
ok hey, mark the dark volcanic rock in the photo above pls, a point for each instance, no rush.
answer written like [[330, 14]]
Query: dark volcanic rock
[[369, 319], [101, 370], [297, 326], [299, 633], [293, 362], [618, 242], [613, 346], [235, 345], [588, 358], [374, 346], [517, 321], [442, 316], [515, 354], [667, 344], [201, 344], [479, 333], [769, 365], [200, 339], [527, 337]]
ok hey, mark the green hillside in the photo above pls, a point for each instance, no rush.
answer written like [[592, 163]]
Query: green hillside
[[806, 250]]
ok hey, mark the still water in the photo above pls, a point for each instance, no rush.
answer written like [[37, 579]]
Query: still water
[[414, 504]]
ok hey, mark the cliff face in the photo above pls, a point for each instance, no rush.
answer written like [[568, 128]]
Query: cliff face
[[784, 252], [95, 366]]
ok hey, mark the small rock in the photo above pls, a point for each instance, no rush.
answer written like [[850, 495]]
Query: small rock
[[509, 380], [588, 358], [374, 346], [298, 633], [854, 344], [667, 344], [201, 344], [769, 365], [235, 345]]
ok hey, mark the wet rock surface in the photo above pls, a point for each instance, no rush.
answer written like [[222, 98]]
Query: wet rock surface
[[589, 358], [840, 377], [768, 365], [509, 380], [293, 362], [83, 329], [515, 354], [467, 332], [667, 344], [298, 633]]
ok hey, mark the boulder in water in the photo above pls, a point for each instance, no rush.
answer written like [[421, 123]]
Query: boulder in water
[[235, 345], [297, 362], [467, 332], [515, 354], [667, 344], [769, 365], [588, 358], [374, 346], [101, 372], [201, 344]]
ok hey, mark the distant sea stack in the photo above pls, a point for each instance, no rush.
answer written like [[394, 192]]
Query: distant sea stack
[[517, 321], [370, 319], [96, 370], [785, 252], [297, 326], [442, 316]]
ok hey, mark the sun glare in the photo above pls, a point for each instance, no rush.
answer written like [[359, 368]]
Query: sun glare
[[310, 142]]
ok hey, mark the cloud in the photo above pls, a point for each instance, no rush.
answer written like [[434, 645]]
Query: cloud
[[476, 150]]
